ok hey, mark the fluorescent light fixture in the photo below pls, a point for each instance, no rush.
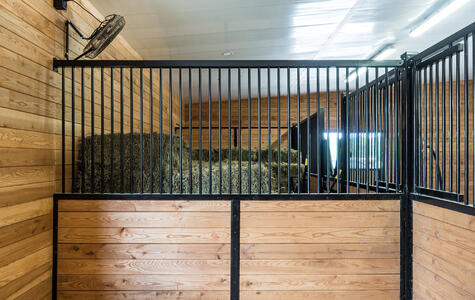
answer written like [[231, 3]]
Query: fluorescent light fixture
[[436, 18], [385, 53], [358, 28], [318, 6]]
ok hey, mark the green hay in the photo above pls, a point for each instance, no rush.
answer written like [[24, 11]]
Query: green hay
[[151, 178]]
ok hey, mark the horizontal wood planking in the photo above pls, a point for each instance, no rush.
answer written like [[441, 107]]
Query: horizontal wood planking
[[444, 253], [303, 246], [221, 295], [153, 245], [32, 33]]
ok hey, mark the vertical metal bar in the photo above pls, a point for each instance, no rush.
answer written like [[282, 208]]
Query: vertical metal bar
[[170, 111], [288, 130], [220, 139], [431, 124], [102, 130], [190, 130], [426, 161], [444, 125], [83, 134], [63, 132], [457, 79], [397, 97], [451, 121], [229, 132], [235, 248], [141, 131], [386, 79], [73, 130], [367, 131], [93, 140], [420, 152], [337, 130], [112, 188], [377, 135], [328, 155], [259, 128], [347, 133], [200, 138], [309, 157], [466, 120], [210, 172], [473, 103], [240, 133], [437, 101], [269, 166], [131, 170], [151, 131], [249, 129], [180, 86], [391, 135], [122, 163], [357, 160], [299, 160], [278, 132], [161, 130], [318, 132]]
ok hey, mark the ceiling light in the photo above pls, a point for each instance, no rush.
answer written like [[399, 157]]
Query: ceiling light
[[385, 53], [440, 15], [228, 53]]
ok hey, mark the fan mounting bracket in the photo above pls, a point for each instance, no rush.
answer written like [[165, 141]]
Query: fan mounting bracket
[[60, 4]]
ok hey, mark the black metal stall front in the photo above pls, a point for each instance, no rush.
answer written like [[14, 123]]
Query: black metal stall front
[[296, 130]]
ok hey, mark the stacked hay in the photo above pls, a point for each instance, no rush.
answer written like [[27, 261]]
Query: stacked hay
[[157, 179]]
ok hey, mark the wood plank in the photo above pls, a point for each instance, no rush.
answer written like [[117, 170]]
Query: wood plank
[[457, 275], [143, 205], [321, 267], [142, 267], [19, 231], [144, 251], [316, 206], [143, 235], [438, 284], [457, 236], [144, 219], [421, 292], [319, 282], [25, 247], [36, 289], [25, 211], [319, 219], [22, 266], [144, 295], [319, 235], [20, 282], [445, 215], [25, 193], [445, 250], [143, 282], [327, 295], [319, 251]]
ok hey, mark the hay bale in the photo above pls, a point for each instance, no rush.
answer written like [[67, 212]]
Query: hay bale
[[158, 179]]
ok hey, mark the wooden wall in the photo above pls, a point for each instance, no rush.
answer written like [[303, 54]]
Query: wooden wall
[[180, 249], [444, 253], [31, 34], [320, 249], [234, 119], [143, 249]]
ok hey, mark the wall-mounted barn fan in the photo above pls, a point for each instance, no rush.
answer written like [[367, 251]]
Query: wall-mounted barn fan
[[101, 37]]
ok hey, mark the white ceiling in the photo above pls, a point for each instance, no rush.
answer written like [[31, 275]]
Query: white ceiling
[[279, 29]]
